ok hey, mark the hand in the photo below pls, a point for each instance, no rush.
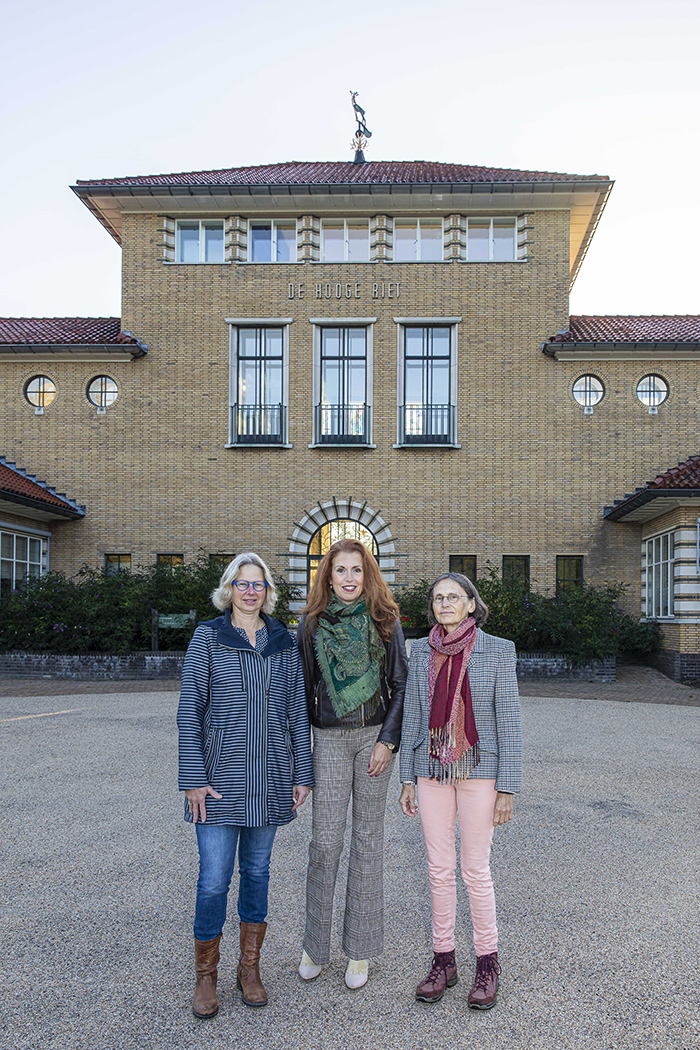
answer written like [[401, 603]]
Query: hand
[[379, 760], [503, 810], [301, 792], [407, 800], [195, 797]]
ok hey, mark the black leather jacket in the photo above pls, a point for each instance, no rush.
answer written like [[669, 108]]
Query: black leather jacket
[[390, 711]]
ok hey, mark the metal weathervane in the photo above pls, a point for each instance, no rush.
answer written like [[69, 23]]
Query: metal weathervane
[[359, 142]]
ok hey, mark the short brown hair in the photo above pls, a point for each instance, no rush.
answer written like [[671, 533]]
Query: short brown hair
[[481, 611]]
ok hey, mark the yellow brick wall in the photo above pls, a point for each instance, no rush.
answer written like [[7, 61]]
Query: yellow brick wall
[[531, 477]]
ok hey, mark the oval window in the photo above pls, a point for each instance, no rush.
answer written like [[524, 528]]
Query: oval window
[[40, 391], [588, 391], [652, 390], [102, 391]]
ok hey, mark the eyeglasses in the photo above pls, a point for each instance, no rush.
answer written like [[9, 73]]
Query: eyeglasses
[[451, 599], [243, 585]]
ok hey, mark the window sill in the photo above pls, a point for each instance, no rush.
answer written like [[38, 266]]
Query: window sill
[[342, 444], [259, 444], [175, 262], [436, 445]]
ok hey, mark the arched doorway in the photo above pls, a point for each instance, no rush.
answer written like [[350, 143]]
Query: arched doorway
[[330, 533], [311, 538]]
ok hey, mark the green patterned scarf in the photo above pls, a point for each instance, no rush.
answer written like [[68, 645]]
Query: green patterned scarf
[[351, 655]]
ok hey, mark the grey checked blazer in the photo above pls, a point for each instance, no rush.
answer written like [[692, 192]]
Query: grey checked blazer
[[496, 705]]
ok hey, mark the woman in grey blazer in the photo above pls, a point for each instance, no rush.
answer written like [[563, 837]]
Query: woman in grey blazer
[[461, 752]]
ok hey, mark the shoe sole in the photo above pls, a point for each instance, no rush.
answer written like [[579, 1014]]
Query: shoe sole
[[205, 1017], [436, 998], [481, 1006]]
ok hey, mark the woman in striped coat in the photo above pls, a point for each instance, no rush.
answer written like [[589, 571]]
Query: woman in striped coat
[[245, 764]]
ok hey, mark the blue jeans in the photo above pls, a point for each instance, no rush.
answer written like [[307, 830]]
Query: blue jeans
[[217, 856]]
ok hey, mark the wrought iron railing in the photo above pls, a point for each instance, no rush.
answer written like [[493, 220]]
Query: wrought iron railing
[[428, 424], [258, 424], [342, 424]]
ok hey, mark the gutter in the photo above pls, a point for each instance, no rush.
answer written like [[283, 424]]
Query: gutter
[[623, 507], [45, 508]]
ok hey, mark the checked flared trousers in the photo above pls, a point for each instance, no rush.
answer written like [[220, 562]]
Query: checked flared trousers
[[341, 760]]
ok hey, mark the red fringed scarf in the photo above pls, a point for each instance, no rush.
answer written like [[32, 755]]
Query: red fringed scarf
[[453, 733]]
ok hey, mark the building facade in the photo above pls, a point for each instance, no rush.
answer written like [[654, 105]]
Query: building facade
[[373, 349]]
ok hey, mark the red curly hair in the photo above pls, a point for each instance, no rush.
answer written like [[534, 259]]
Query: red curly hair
[[380, 601]]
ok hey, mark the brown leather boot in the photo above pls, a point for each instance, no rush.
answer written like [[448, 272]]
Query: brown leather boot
[[206, 960], [442, 975], [485, 988], [252, 936]]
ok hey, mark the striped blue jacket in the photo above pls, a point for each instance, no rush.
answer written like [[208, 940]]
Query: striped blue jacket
[[243, 724], [496, 706]]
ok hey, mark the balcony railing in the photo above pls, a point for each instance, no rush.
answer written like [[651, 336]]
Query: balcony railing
[[258, 424], [342, 424], [428, 424]]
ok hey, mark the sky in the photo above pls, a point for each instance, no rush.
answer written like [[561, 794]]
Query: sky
[[95, 90]]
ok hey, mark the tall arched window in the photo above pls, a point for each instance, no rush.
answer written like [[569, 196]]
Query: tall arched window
[[330, 533]]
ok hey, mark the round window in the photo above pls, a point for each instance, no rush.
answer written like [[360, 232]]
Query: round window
[[102, 391], [40, 391], [652, 390], [588, 391]]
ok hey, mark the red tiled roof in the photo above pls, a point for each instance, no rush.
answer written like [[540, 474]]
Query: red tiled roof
[[16, 482], [636, 329], [64, 330], [685, 476], [681, 480], [304, 173]]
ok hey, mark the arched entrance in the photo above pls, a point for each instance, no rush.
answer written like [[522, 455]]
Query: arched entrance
[[331, 520]]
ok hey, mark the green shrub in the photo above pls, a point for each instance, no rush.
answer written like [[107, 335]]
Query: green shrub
[[93, 612], [581, 624]]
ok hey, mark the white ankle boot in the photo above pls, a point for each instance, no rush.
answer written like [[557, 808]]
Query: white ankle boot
[[357, 973], [308, 968]]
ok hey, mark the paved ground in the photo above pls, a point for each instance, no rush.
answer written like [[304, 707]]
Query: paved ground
[[597, 888]]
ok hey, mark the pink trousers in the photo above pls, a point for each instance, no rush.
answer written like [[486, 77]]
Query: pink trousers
[[439, 805]]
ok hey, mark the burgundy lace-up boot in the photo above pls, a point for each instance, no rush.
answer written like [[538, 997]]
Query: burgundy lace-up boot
[[485, 988], [442, 975]]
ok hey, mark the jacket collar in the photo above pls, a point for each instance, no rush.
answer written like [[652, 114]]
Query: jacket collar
[[278, 636]]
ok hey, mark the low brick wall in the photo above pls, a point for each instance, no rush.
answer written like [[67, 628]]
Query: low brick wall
[[545, 665], [93, 665], [681, 667], [169, 665]]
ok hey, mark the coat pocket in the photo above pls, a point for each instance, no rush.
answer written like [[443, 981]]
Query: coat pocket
[[212, 752]]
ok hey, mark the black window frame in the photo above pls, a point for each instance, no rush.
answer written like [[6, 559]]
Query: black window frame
[[427, 423], [566, 581], [342, 423], [259, 422], [111, 566], [515, 570], [457, 562]]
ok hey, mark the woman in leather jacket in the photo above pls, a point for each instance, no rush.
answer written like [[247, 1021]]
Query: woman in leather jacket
[[354, 660]]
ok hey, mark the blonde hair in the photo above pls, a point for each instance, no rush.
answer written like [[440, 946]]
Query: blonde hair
[[222, 596]]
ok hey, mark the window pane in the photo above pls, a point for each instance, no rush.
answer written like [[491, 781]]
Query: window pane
[[286, 243], [273, 342], [330, 382], [431, 242], [588, 391], [441, 342], [272, 383], [102, 391], [214, 242], [441, 382], [8, 545], [357, 340], [356, 382], [35, 551], [188, 242], [503, 240], [478, 241], [405, 242], [40, 391], [414, 382], [247, 342], [415, 342], [516, 569], [333, 242], [330, 342], [358, 242], [261, 242], [247, 383], [652, 390], [21, 548], [464, 563]]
